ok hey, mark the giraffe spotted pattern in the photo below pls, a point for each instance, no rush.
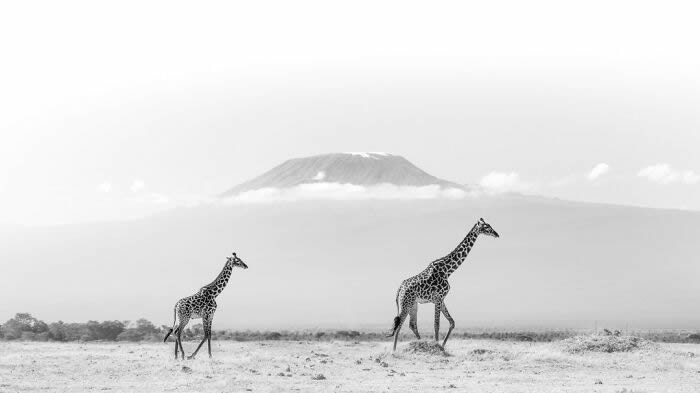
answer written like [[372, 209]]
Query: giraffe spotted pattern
[[201, 305], [431, 286]]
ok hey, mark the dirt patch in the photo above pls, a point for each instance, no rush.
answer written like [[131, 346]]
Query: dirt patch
[[425, 348], [606, 343], [486, 355]]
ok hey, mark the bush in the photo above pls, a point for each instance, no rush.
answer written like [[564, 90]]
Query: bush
[[28, 336], [109, 330], [44, 336], [344, 334], [272, 336], [130, 335], [75, 331]]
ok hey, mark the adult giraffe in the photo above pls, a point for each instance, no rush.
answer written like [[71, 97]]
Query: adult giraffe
[[202, 305], [431, 285]]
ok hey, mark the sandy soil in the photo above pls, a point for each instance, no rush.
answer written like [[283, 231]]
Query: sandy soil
[[473, 366]]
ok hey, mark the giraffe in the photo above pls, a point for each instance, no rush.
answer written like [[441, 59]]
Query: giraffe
[[431, 286], [201, 305]]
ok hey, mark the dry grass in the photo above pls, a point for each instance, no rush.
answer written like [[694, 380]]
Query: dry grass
[[425, 348], [281, 366], [607, 343]]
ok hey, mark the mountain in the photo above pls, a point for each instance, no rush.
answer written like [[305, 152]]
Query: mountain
[[362, 169], [338, 263]]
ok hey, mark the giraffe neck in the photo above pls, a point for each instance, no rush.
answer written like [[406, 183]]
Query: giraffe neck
[[218, 285], [454, 259]]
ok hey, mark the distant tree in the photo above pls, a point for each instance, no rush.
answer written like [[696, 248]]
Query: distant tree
[[130, 335], [145, 326], [27, 336], [109, 330], [106, 330], [23, 326], [141, 330], [197, 329], [272, 335], [57, 331], [44, 336], [345, 334], [76, 331], [91, 330]]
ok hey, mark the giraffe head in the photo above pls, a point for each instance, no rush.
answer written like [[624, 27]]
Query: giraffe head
[[235, 261], [486, 229]]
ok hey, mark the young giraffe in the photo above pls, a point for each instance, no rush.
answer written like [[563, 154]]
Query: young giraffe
[[201, 305], [431, 286]]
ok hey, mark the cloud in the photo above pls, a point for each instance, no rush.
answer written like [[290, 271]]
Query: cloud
[[598, 171], [320, 175], [500, 182], [137, 185], [338, 191], [665, 174], [104, 187]]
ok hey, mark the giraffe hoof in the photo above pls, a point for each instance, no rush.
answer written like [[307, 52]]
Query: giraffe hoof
[[190, 357]]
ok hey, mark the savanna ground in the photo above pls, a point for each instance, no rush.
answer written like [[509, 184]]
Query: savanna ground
[[344, 366]]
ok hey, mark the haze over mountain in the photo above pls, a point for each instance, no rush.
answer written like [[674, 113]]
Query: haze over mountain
[[336, 260]]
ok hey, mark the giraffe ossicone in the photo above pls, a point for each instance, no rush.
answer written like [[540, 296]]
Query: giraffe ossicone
[[431, 285], [201, 305]]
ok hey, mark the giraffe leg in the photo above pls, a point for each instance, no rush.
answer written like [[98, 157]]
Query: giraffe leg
[[206, 322], [436, 324], [182, 350], [413, 322], [178, 340], [176, 347], [209, 344], [207, 331], [174, 333], [198, 346], [449, 319], [402, 318], [178, 343]]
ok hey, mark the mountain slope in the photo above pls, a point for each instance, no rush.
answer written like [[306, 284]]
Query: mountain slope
[[338, 264], [365, 169]]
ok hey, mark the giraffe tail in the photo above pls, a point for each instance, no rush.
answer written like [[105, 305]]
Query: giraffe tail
[[172, 328], [168, 335], [397, 319]]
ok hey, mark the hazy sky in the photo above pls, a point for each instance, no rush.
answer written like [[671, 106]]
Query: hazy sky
[[121, 110]]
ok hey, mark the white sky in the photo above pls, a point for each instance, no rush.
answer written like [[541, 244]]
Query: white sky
[[113, 111]]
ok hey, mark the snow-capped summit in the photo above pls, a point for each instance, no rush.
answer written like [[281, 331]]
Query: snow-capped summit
[[357, 168], [375, 154]]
